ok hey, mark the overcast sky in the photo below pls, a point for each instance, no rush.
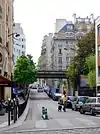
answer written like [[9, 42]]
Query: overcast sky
[[38, 17]]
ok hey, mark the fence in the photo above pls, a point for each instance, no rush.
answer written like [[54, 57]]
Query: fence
[[21, 107]]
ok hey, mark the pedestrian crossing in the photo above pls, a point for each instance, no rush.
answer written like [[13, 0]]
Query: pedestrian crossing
[[65, 123]]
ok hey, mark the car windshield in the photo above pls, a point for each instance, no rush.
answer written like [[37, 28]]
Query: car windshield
[[72, 98], [83, 99], [57, 90]]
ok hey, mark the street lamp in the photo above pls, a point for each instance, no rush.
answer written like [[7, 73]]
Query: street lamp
[[14, 37]]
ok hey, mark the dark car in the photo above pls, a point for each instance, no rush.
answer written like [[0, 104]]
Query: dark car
[[92, 105], [55, 94], [79, 101], [70, 100]]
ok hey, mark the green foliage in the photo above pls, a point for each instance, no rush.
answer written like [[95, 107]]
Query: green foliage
[[86, 47], [25, 70], [90, 61], [92, 78]]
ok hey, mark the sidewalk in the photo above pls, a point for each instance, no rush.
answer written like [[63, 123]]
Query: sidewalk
[[4, 118], [4, 126]]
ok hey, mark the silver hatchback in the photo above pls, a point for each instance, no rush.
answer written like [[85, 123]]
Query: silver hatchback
[[92, 105]]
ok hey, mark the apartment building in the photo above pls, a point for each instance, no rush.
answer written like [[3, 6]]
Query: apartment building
[[45, 57], [6, 47], [19, 48], [97, 43]]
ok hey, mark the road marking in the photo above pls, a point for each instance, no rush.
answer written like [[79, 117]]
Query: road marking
[[86, 121], [40, 124], [64, 122]]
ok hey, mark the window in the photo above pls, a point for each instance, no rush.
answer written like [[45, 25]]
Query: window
[[60, 52], [60, 67], [93, 100], [98, 30], [98, 50], [0, 40], [7, 44], [19, 52], [67, 59], [23, 53], [22, 46], [0, 71], [98, 71], [98, 100], [0, 57], [0, 9], [60, 60], [59, 45]]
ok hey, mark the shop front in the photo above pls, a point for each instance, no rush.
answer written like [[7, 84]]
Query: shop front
[[5, 88]]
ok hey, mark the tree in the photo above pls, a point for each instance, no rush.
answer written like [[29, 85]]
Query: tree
[[25, 71], [90, 61], [92, 78], [86, 46], [72, 74]]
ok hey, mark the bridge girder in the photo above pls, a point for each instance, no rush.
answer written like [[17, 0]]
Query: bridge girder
[[52, 74]]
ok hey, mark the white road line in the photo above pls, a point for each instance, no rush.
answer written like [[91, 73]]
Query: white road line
[[64, 122], [41, 124], [86, 121]]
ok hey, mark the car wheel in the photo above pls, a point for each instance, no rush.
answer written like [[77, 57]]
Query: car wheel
[[92, 113], [81, 110]]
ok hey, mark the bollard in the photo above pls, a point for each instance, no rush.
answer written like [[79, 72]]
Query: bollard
[[14, 110], [43, 110], [9, 107], [46, 114]]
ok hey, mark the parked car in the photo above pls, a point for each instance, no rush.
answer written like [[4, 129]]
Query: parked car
[[92, 105], [40, 89], [46, 88], [79, 101], [55, 94], [70, 100]]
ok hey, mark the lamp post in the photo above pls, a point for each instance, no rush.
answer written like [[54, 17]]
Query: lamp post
[[14, 37]]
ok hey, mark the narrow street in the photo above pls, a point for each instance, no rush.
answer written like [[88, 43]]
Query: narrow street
[[57, 120]]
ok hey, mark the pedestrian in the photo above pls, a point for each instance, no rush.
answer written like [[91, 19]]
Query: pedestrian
[[60, 105], [64, 102]]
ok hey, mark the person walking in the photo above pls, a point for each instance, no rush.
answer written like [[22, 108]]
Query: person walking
[[64, 102]]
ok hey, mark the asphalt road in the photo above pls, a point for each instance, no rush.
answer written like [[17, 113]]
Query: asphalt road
[[69, 122]]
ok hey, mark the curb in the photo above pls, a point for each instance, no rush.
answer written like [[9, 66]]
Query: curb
[[20, 120]]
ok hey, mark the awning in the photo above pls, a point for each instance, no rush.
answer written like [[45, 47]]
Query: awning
[[4, 81]]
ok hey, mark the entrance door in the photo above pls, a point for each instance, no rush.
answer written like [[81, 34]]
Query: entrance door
[[1, 93]]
